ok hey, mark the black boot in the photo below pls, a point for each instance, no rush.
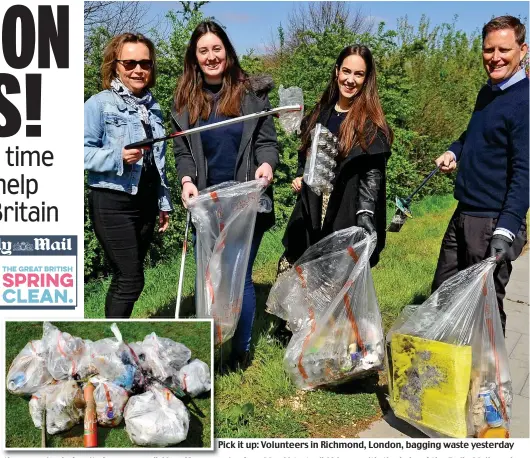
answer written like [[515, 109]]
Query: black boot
[[239, 361], [282, 333]]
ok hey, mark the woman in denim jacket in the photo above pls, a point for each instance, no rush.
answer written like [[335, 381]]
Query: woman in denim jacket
[[128, 187]]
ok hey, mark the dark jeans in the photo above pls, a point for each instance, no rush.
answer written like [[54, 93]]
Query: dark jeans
[[466, 242], [124, 226]]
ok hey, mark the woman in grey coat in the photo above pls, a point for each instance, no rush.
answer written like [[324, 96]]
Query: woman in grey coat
[[214, 88]]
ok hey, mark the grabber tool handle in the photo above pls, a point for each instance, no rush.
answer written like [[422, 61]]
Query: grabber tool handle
[[182, 264], [427, 178], [268, 112], [146, 143]]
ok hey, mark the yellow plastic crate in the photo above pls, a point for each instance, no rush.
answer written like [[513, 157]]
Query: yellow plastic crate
[[430, 383]]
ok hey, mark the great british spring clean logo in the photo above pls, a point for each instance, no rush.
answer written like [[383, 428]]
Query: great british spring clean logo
[[38, 272]]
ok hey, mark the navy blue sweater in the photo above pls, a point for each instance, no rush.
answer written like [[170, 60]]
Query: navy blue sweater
[[492, 154]]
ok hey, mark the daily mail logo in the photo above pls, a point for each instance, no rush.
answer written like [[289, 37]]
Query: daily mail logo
[[38, 272], [44, 245]]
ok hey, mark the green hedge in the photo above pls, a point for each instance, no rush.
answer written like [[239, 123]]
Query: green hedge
[[428, 79]]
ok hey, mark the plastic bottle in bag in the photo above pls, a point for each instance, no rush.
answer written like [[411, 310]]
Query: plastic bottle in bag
[[110, 402], [28, 372]]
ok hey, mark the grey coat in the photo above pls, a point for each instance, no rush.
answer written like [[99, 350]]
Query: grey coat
[[258, 145]]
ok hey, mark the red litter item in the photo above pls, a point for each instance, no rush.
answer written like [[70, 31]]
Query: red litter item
[[90, 437]]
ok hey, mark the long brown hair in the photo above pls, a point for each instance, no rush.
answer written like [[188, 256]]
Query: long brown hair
[[189, 92], [365, 114], [112, 53]]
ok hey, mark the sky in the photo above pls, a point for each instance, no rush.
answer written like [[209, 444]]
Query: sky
[[252, 24]]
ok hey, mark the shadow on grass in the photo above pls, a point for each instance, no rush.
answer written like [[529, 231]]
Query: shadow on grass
[[104, 432], [194, 438], [187, 309], [419, 298], [369, 385]]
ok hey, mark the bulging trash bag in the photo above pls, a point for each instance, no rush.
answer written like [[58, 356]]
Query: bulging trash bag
[[28, 372], [110, 402], [64, 405], [114, 360], [194, 378], [329, 300], [156, 418], [224, 216], [290, 121], [163, 357], [65, 353], [447, 360]]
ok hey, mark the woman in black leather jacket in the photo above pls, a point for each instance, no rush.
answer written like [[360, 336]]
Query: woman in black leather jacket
[[351, 109]]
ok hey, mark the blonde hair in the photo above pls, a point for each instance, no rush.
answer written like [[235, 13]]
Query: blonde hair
[[112, 52]]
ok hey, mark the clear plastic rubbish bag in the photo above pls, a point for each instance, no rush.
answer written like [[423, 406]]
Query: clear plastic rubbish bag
[[329, 300], [28, 372], [110, 402], [163, 357], [224, 217], [114, 360], [66, 353], [447, 360], [194, 378], [64, 406], [320, 163], [291, 120], [37, 404], [156, 418]]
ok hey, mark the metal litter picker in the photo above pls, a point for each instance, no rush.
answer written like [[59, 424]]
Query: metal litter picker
[[403, 211]]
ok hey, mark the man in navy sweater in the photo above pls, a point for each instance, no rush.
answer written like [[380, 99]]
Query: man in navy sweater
[[492, 180]]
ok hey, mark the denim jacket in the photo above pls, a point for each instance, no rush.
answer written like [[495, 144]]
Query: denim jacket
[[110, 124]]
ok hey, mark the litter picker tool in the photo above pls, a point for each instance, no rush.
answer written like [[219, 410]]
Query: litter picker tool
[[182, 263], [273, 111], [403, 211], [43, 423]]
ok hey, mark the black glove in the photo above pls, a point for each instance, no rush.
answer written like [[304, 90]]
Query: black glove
[[501, 248], [366, 221], [368, 191]]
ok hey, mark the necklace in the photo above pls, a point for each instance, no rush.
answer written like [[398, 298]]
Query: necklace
[[339, 110]]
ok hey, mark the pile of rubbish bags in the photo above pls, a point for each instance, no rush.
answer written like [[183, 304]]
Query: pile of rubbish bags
[[134, 382], [328, 299], [447, 360], [224, 216]]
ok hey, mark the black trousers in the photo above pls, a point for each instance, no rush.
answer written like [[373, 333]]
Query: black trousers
[[124, 226], [466, 242]]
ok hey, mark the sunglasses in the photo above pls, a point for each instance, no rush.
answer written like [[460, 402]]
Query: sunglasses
[[129, 64]]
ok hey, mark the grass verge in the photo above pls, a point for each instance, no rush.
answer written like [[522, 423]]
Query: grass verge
[[20, 431], [275, 408]]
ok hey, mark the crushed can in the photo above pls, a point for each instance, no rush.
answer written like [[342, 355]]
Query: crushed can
[[493, 416]]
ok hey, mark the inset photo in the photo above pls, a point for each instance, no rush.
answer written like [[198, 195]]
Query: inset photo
[[123, 384]]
